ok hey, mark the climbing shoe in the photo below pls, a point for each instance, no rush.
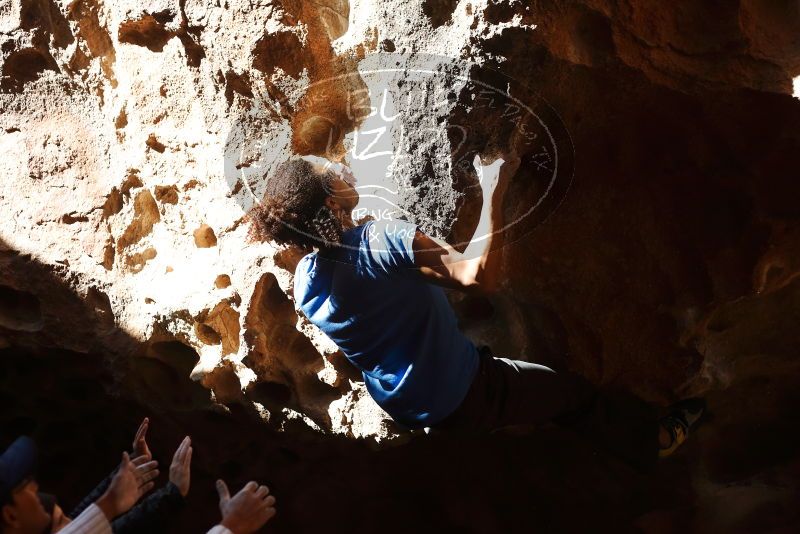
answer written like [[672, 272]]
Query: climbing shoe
[[681, 417]]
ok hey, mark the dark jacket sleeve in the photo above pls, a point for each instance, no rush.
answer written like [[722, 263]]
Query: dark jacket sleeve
[[95, 494], [153, 514]]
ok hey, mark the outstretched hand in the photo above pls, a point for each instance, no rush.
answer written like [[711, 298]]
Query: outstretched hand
[[140, 447], [128, 485], [145, 468], [248, 510], [180, 469]]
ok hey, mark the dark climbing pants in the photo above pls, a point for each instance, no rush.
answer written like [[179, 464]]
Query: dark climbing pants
[[512, 392]]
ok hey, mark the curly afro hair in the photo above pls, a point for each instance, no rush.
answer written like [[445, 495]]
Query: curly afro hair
[[293, 210]]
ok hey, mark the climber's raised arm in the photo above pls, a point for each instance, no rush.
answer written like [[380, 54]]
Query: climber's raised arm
[[477, 269]]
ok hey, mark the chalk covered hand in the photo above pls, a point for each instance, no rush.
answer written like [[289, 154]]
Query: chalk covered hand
[[496, 175]]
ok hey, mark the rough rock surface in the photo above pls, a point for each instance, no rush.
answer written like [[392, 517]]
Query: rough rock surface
[[130, 133]]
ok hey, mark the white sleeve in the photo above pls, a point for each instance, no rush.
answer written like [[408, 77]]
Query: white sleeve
[[219, 529], [90, 521]]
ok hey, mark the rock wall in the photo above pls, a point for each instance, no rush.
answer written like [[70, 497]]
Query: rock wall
[[133, 136]]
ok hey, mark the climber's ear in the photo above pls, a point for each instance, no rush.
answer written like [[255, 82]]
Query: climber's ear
[[332, 204]]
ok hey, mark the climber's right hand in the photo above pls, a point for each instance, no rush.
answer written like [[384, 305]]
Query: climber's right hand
[[496, 176]]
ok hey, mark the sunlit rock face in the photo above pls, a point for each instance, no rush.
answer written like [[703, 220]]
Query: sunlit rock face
[[134, 136]]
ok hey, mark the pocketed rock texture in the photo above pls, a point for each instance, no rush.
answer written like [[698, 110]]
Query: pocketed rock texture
[[670, 268]]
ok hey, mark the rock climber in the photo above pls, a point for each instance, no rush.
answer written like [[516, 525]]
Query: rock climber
[[377, 290]]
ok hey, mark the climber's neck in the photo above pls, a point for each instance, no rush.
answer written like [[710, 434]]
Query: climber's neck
[[346, 218]]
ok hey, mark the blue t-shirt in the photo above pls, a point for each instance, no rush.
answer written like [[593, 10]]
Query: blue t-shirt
[[398, 329]]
